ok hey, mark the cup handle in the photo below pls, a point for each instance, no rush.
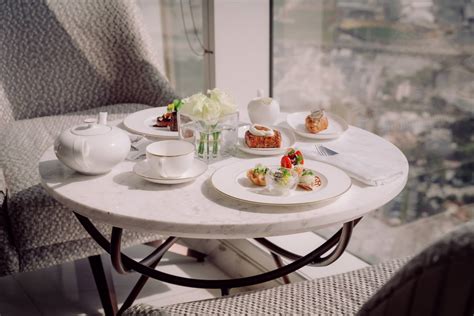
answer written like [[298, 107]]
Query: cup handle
[[161, 166]]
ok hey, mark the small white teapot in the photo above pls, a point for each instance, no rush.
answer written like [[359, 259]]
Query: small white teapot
[[92, 148], [263, 110]]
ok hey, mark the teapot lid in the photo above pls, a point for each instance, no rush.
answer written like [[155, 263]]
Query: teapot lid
[[91, 128]]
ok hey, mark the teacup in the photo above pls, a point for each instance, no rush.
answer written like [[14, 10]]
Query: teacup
[[170, 158]]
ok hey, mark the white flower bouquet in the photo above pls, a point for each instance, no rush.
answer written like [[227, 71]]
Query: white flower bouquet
[[208, 111]]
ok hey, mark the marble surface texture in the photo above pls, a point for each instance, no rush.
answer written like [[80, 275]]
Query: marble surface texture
[[197, 210]]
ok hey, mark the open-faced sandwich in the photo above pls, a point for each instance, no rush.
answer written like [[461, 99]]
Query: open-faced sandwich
[[316, 121], [170, 118], [260, 136], [308, 180], [257, 175], [293, 159]]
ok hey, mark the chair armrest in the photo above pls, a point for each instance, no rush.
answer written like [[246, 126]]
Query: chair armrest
[[3, 188]]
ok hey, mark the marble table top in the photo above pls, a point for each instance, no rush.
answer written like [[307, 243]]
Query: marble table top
[[197, 210]]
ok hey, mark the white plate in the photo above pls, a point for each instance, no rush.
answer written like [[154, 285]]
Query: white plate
[[142, 122], [336, 125], [232, 181], [287, 140], [143, 170]]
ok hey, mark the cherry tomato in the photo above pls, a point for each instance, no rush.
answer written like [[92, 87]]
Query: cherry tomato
[[286, 162]]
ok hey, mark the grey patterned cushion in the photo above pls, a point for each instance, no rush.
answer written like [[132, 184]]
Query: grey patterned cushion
[[341, 294], [8, 254], [40, 227], [439, 280], [62, 56]]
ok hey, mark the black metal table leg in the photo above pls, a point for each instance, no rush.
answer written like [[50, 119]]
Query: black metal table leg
[[225, 291], [316, 257], [279, 264], [105, 285]]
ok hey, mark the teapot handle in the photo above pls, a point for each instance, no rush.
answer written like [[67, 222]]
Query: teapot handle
[[80, 153]]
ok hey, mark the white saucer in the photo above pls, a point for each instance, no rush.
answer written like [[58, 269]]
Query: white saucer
[[142, 169], [337, 125], [287, 140]]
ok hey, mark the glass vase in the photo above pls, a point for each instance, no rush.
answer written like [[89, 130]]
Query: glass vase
[[212, 140]]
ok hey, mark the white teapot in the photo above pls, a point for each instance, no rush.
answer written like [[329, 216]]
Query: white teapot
[[92, 148], [263, 110]]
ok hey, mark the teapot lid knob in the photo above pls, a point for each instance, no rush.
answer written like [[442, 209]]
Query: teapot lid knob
[[103, 118]]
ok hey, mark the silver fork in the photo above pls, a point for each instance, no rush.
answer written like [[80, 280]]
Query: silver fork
[[324, 151]]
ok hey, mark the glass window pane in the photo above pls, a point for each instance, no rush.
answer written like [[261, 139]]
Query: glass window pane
[[182, 57], [403, 69]]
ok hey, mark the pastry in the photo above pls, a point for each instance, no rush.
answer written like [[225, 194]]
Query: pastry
[[308, 180], [316, 122], [170, 118], [260, 136], [257, 175]]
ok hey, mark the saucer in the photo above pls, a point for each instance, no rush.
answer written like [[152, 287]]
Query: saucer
[[142, 169]]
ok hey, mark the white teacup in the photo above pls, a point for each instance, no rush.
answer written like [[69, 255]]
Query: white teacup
[[170, 158]]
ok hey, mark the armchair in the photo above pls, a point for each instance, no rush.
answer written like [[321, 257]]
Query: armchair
[[61, 62]]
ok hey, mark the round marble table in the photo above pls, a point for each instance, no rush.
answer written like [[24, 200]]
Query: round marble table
[[197, 210]]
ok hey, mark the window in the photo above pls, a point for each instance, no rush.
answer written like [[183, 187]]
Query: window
[[179, 47], [403, 69]]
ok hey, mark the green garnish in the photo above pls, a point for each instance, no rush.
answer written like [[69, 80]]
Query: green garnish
[[298, 159], [260, 169], [284, 172], [307, 172], [174, 106]]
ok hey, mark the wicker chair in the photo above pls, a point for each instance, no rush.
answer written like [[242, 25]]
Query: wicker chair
[[61, 62], [438, 281]]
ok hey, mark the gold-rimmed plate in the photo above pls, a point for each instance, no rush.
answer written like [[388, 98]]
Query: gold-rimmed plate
[[232, 181]]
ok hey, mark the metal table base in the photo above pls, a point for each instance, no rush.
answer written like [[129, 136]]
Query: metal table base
[[146, 267]]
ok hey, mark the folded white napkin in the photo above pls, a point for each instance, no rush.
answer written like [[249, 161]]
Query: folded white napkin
[[365, 169]]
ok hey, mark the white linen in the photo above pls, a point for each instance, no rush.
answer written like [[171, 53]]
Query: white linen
[[360, 157]]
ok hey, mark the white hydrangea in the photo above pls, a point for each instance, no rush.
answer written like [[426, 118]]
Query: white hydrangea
[[208, 108], [227, 104]]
